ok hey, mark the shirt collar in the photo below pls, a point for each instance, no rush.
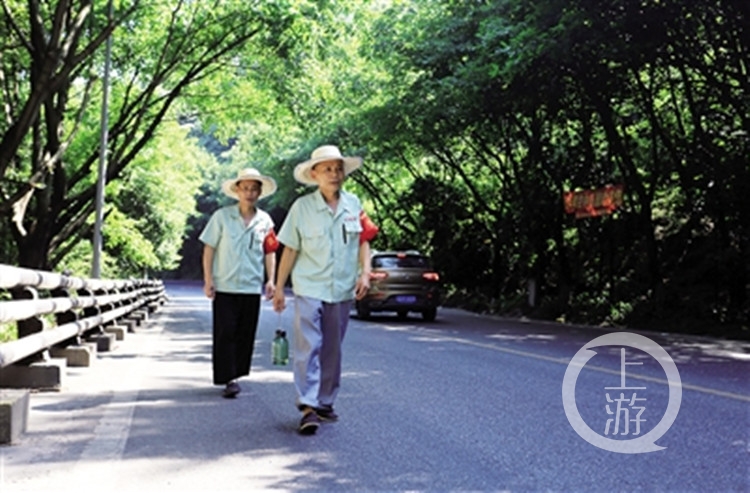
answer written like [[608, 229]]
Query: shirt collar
[[344, 204], [237, 216]]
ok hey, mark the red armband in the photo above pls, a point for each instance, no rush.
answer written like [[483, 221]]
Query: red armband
[[270, 242], [369, 229]]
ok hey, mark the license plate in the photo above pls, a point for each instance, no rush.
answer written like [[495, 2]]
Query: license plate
[[406, 299]]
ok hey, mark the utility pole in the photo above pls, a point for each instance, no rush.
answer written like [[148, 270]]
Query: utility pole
[[102, 176]]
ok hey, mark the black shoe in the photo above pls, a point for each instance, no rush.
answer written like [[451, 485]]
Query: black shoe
[[326, 414], [231, 390], [309, 423]]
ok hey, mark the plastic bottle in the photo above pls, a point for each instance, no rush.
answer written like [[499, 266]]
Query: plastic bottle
[[280, 348]]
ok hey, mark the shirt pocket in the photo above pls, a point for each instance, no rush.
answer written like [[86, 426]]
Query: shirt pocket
[[234, 239], [314, 240], [256, 237], [351, 231], [255, 240]]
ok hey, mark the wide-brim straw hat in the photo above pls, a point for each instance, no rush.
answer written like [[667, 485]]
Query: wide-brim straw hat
[[324, 153], [268, 184]]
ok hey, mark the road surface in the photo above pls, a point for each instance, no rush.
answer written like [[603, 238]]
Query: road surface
[[463, 403]]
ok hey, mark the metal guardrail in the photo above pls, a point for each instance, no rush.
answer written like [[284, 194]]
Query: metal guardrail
[[79, 305]]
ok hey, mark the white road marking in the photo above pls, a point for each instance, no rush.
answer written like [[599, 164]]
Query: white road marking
[[565, 361]]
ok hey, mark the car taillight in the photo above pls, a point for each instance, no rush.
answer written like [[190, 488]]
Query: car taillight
[[431, 276], [378, 276]]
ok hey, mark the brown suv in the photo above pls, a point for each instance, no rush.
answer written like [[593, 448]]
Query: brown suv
[[401, 282]]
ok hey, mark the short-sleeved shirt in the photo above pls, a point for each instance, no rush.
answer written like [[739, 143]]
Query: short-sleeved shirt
[[327, 243], [240, 250]]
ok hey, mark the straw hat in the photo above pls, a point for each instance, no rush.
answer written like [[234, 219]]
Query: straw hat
[[324, 153], [268, 184]]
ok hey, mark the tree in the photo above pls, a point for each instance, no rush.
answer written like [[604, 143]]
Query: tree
[[515, 102], [163, 50]]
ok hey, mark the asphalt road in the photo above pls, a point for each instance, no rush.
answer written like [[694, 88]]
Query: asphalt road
[[462, 403]]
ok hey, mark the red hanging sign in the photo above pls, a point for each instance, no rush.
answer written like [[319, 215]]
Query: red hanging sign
[[591, 203]]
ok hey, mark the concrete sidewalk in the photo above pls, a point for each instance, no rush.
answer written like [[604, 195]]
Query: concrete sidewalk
[[148, 409]]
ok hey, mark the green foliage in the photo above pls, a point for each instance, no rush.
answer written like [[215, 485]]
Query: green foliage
[[512, 103], [149, 209], [159, 190], [8, 332], [160, 51], [473, 119]]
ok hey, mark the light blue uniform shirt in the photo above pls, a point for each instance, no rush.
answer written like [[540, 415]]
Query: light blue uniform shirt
[[327, 245], [239, 258]]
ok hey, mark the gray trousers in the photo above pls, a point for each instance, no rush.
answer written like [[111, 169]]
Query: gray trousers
[[319, 330]]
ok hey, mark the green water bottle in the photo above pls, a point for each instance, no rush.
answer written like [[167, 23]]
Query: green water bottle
[[280, 348]]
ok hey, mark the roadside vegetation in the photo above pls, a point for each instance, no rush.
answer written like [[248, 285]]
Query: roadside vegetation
[[474, 119]]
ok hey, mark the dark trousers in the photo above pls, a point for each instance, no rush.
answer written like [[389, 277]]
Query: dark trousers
[[235, 320]]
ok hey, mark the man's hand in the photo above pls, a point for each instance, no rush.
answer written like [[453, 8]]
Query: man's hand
[[279, 302], [270, 290], [208, 288], [363, 285]]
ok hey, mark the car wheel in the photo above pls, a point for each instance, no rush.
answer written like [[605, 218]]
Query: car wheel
[[429, 314], [362, 311], [402, 314]]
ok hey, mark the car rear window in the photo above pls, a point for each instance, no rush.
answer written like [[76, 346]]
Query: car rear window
[[393, 261]]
